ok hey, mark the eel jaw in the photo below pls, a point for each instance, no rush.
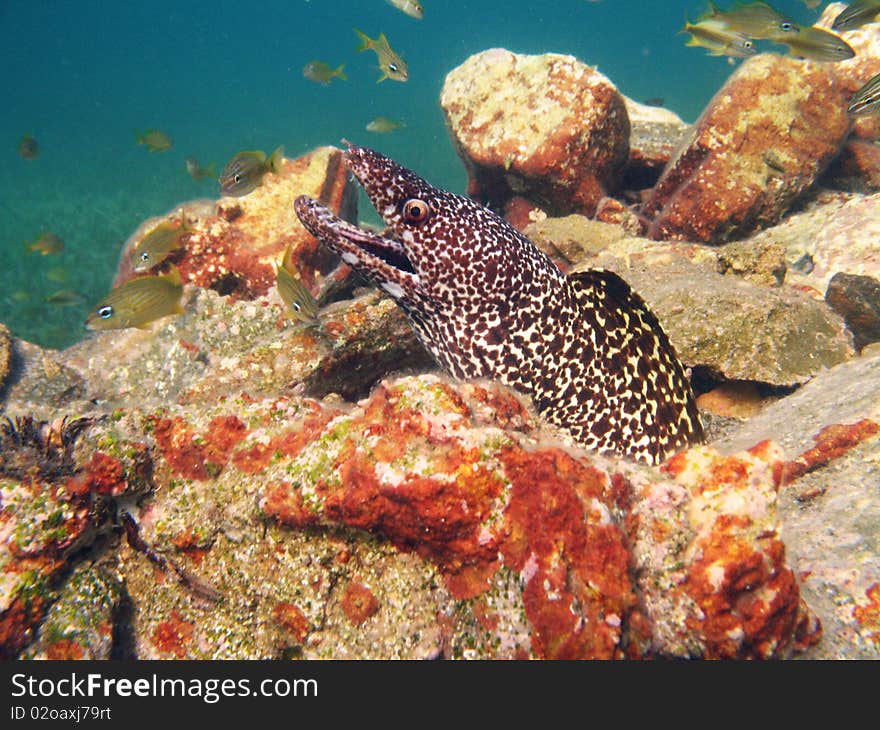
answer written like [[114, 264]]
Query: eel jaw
[[383, 260]]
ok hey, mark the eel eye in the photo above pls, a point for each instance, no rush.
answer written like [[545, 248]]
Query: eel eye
[[415, 211]]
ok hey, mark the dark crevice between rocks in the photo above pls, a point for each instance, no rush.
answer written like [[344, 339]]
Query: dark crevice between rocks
[[124, 641]]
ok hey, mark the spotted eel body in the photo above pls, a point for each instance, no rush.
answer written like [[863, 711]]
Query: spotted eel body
[[488, 304]]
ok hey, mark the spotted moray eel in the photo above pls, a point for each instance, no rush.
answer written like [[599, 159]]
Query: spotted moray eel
[[488, 304]]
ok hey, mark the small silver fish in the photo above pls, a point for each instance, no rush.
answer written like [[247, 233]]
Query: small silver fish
[[867, 99], [384, 125], [754, 20], [197, 172], [391, 64], [856, 14], [138, 302], [159, 243], [244, 172], [817, 44], [46, 244], [321, 73], [301, 305], [718, 39], [412, 8]]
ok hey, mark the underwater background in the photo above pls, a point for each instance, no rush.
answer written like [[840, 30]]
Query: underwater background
[[218, 77]]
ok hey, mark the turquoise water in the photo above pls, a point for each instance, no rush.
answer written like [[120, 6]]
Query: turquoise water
[[220, 77]]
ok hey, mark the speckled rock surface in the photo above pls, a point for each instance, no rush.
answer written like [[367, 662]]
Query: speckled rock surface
[[548, 128], [760, 143], [5, 353], [236, 242], [829, 506], [655, 135]]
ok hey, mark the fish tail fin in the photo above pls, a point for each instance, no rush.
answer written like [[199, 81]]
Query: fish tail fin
[[275, 159], [366, 41], [174, 276], [339, 72]]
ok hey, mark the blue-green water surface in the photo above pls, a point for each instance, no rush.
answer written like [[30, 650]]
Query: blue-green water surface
[[221, 76]]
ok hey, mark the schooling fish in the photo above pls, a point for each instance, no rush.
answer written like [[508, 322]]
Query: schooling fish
[[138, 302], [412, 8], [45, 244], [384, 125], [197, 172], [856, 14], [321, 73], [28, 149], [754, 20], [718, 39], [867, 99], [301, 305], [155, 140], [159, 243], [818, 44], [391, 65], [244, 173], [487, 303]]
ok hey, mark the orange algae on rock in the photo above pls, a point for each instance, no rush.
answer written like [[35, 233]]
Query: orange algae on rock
[[192, 456], [173, 635], [359, 603], [291, 618], [733, 592], [832, 442], [761, 142], [868, 615]]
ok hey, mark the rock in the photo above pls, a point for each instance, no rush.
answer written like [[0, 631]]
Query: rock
[[734, 399], [572, 238], [655, 135], [829, 506], [759, 262], [548, 128], [5, 353], [53, 485], [760, 143], [710, 319], [79, 625], [237, 241], [856, 168], [857, 300]]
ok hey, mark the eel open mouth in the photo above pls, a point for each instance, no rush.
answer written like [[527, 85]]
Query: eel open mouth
[[355, 245]]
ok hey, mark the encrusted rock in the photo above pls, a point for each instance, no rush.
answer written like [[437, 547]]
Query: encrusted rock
[[236, 242], [5, 353], [761, 142], [857, 300], [547, 127], [829, 505], [79, 625], [655, 135], [711, 320]]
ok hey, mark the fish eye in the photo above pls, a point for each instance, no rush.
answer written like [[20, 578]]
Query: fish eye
[[105, 312], [748, 44], [296, 307], [145, 256], [415, 211], [787, 26], [237, 178], [392, 67]]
